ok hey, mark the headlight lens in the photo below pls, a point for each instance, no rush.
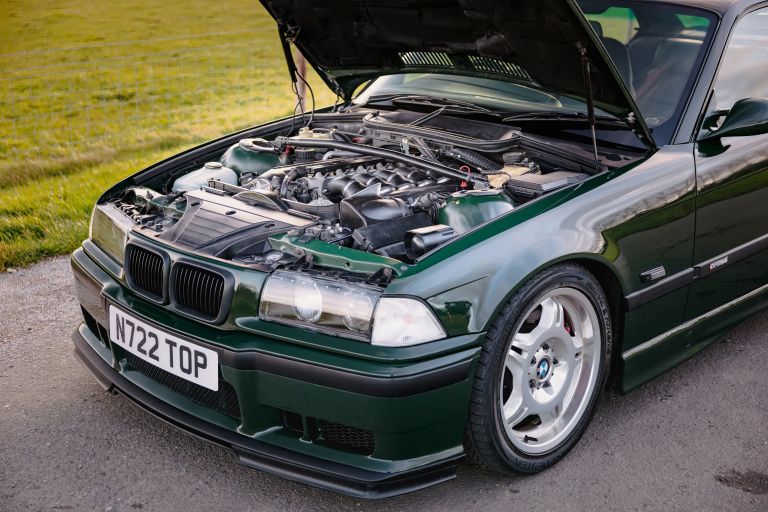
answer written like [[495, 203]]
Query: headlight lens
[[347, 309], [401, 322], [318, 303], [109, 230]]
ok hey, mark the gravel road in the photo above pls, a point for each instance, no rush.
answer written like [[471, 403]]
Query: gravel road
[[694, 439]]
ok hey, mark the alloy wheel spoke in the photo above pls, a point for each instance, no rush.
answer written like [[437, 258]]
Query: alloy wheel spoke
[[515, 410], [516, 363], [548, 416], [525, 342], [551, 314]]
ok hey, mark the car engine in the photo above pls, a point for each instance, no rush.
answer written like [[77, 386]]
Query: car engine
[[397, 197]]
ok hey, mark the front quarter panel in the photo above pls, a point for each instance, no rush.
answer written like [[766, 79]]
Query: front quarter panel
[[629, 220]]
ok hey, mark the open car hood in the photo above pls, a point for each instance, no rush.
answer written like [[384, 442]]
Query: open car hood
[[532, 42]]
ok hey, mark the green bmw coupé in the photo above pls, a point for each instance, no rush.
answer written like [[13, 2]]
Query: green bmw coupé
[[512, 205]]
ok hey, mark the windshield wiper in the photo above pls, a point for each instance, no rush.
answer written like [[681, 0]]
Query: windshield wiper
[[425, 99], [562, 116], [439, 102], [451, 106], [442, 105]]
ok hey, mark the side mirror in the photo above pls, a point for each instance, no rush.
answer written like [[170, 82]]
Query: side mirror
[[746, 117]]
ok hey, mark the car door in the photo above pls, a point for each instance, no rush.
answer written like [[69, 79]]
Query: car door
[[731, 253]]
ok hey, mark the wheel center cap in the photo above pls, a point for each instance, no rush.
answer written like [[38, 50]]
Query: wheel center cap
[[543, 368]]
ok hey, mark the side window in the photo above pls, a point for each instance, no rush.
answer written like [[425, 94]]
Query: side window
[[744, 70]]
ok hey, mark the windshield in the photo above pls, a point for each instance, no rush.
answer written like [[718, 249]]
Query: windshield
[[486, 92], [657, 49]]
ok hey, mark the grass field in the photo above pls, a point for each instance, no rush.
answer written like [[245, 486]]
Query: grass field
[[94, 91]]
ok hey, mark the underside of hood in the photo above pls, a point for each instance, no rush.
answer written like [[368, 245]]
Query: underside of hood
[[532, 42]]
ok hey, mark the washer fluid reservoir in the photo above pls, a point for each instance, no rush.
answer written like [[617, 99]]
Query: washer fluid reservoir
[[199, 178], [251, 156]]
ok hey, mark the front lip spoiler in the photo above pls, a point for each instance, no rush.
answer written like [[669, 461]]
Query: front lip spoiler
[[359, 483]]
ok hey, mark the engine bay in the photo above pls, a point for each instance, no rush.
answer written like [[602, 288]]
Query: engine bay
[[383, 186]]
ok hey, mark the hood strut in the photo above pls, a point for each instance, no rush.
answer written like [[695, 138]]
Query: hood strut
[[590, 101], [284, 41]]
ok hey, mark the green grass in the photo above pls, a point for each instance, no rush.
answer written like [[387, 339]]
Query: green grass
[[94, 91]]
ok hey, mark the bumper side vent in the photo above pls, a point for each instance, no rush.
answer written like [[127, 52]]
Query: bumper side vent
[[90, 322], [198, 291], [145, 271], [224, 400], [344, 437], [95, 327], [293, 422]]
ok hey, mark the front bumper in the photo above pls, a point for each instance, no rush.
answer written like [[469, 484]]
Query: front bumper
[[259, 455], [416, 414]]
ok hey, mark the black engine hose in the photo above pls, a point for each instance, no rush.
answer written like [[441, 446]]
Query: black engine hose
[[474, 159], [291, 175]]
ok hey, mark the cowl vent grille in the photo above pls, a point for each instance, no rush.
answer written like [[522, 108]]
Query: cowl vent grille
[[472, 63], [500, 67], [426, 59]]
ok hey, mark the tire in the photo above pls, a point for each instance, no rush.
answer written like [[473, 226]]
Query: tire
[[550, 344]]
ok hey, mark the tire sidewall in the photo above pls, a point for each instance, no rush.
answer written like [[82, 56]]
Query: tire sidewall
[[570, 276]]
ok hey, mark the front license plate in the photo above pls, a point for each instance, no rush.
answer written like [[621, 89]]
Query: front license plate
[[174, 355]]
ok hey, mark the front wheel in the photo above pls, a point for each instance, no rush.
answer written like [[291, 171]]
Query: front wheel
[[541, 371]]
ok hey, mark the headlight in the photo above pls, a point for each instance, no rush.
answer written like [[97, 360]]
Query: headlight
[[318, 303], [347, 309], [109, 230], [400, 322]]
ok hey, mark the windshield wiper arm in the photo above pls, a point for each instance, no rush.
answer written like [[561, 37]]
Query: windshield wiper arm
[[562, 116], [438, 101], [454, 109], [441, 104]]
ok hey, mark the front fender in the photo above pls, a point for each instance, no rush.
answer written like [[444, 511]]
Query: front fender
[[628, 220]]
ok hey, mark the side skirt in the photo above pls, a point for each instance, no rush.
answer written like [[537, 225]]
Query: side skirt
[[648, 360]]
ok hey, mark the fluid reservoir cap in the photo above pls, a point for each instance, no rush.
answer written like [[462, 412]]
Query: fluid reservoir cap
[[257, 145], [308, 133], [213, 165]]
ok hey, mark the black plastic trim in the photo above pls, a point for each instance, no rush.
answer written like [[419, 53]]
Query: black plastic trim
[[663, 287], [389, 387], [739, 253], [360, 483], [698, 271]]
